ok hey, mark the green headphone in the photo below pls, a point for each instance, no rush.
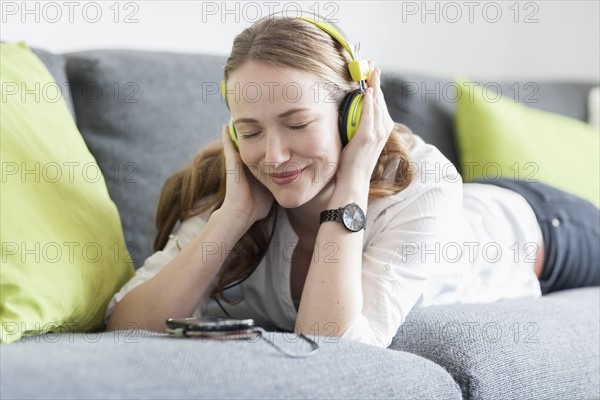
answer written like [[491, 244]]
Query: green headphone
[[351, 106]]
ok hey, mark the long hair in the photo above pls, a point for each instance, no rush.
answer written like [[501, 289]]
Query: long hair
[[200, 186]]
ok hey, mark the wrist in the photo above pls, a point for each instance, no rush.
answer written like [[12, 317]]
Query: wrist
[[357, 178], [239, 222], [351, 193]]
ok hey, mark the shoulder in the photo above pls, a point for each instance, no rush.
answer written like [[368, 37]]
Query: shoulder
[[186, 230], [191, 226], [436, 188], [431, 169], [183, 233]]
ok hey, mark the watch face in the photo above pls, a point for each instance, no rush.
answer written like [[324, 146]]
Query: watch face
[[353, 217]]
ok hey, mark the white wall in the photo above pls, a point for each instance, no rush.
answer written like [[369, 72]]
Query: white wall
[[544, 40]]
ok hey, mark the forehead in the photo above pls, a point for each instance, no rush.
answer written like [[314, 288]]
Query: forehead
[[257, 84]]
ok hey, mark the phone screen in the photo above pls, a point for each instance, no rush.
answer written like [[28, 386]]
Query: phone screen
[[209, 324]]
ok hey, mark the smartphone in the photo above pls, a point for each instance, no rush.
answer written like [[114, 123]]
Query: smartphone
[[212, 328]]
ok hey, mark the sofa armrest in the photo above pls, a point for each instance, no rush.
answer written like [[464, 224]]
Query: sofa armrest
[[145, 365], [547, 347]]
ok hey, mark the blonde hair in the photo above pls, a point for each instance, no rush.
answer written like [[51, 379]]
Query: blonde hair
[[200, 186]]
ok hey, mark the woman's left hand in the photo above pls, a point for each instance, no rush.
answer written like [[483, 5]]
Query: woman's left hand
[[359, 157]]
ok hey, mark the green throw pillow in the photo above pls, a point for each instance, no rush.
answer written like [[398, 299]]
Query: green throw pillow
[[63, 251], [498, 137]]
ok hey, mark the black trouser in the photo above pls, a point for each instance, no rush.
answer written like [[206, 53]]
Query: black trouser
[[571, 232]]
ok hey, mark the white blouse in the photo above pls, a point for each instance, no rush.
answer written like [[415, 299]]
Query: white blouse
[[438, 241]]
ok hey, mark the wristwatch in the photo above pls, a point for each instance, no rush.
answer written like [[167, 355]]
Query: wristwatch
[[351, 216]]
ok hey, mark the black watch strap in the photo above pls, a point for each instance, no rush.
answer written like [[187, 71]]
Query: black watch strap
[[331, 215]]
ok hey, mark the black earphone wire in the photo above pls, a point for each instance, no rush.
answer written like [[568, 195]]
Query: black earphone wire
[[257, 263]]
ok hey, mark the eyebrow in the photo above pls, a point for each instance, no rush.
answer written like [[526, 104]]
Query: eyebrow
[[282, 115]]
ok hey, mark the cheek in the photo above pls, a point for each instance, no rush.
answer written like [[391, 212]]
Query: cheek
[[324, 149], [334, 144], [327, 135], [250, 159], [336, 141], [321, 144]]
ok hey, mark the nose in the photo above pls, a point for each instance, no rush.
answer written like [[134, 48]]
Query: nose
[[277, 151]]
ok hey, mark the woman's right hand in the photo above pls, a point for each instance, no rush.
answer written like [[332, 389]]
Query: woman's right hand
[[245, 196]]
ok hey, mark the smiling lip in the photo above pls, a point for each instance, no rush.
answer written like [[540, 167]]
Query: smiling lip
[[283, 178]]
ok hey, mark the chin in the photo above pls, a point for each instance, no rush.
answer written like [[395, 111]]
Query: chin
[[292, 199], [287, 202]]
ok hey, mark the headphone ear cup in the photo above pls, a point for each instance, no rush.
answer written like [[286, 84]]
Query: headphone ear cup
[[233, 135], [349, 115]]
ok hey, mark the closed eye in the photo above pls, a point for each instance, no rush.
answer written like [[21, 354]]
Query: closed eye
[[298, 127], [249, 135], [292, 127]]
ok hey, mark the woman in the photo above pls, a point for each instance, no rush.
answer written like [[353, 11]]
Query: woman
[[262, 216]]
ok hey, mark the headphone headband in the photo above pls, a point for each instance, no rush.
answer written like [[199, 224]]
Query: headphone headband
[[333, 31], [359, 69]]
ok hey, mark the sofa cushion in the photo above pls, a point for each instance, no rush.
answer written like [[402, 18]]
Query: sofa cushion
[[144, 115], [544, 348], [500, 138], [143, 365], [429, 116], [63, 252], [427, 104], [594, 107], [56, 66]]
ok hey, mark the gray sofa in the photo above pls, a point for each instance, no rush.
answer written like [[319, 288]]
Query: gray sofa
[[144, 115]]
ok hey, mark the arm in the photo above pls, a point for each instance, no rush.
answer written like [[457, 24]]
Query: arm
[[332, 294], [332, 297], [366, 296], [176, 290]]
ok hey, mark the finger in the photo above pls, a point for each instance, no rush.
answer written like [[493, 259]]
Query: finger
[[232, 157], [379, 106], [377, 103], [370, 78], [383, 114], [366, 120], [225, 138], [378, 123], [374, 86], [228, 142], [377, 87]]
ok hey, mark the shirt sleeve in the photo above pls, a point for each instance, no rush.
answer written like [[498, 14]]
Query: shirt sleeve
[[152, 265], [398, 261]]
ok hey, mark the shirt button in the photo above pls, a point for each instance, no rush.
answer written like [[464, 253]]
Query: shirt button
[[555, 222]]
